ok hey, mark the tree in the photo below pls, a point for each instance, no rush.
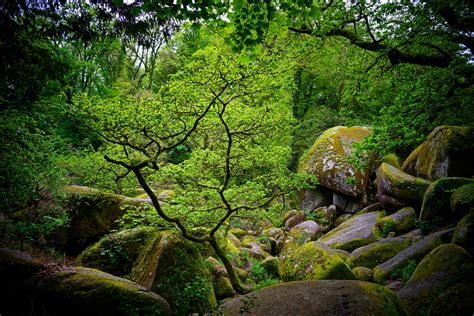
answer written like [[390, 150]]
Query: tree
[[236, 118]]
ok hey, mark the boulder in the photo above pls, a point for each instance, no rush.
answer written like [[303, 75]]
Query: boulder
[[374, 254], [447, 152], [356, 232], [117, 252], [299, 235], [347, 204], [175, 268], [237, 232], [445, 266], [93, 214], [328, 160], [435, 207], [414, 252], [462, 200], [458, 299], [395, 183], [314, 261], [324, 297], [294, 220], [326, 213], [85, 291], [362, 274], [18, 274], [220, 280], [400, 222], [309, 199], [464, 233]]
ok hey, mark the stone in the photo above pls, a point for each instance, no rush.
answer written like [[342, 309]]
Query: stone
[[353, 233], [341, 219], [462, 200], [442, 268], [362, 274], [86, 291], [18, 274], [323, 297], [328, 160], [416, 252], [175, 268], [93, 214], [400, 222], [376, 253], [391, 159], [436, 201], [299, 235], [314, 261], [309, 199], [395, 183], [390, 203], [464, 234], [272, 267], [447, 152], [347, 204], [458, 299], [299, 217], [116, 253], [237, 232], [220, 280]]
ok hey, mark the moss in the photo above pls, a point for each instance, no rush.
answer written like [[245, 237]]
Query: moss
[[401, 221], [238, 232], [385, 298], [117, 252], [437, 197], [374, 254], [391, 159], [313, 261], [400, 185], [84, 291], [362, 274], [222, 287], [327, 159], [462, 199], [175, 269], [440, 269], [464, 234]]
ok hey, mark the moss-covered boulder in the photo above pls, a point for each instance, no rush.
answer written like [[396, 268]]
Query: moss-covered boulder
[[324, 297], [462, 200], [400, 222], [374, 254], [464, 234], [456, 300], [314, 261], [85, 291], [117, 252], [175, 268], [442, 268], [93, 213], [294, 220], [415, 252], [328, 160], [395, 183], [436, 207], [220, 280], [356, 232], [237, 232], [362, 274], [391, 159], [447, 152], [299, 235], [18, 274]]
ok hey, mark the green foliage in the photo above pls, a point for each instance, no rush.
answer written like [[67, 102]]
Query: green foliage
[[387, 227], [404, 273]]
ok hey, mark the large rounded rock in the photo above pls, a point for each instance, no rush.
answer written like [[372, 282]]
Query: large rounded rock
[[445, 266], [325, 297], [447, 152], [314, 261], [299, 235], [85, 291], [356, 232], [18, 275], [175, 268], [462, 199], [395, 183], [400, 222], [328, 160], [93, 213], [414, 252], [435, 205], [374, 254], [464, 233], [117, 252]]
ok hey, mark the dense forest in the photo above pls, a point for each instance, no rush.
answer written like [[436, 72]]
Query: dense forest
[[179, 157]]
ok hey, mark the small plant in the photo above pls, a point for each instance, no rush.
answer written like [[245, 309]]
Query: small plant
[[387, 228], [404, 273]]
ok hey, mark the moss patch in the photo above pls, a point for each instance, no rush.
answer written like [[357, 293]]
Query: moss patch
[[314, 261], [374, 254]]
